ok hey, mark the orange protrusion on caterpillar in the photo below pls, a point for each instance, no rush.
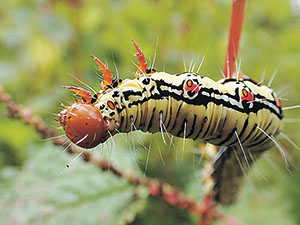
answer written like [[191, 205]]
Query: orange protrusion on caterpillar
[[108, 77], [83, 125], [86, 95], [142, 63]]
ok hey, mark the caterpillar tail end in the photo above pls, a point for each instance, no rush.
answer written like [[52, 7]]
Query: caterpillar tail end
[[83, 125]]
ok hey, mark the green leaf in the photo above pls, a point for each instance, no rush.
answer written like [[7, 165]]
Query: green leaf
[[44, 192]]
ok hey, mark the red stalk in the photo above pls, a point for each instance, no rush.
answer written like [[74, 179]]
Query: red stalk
[[236, 24]]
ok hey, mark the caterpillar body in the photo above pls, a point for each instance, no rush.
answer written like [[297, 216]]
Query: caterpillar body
[[194, 107], [239, 114]]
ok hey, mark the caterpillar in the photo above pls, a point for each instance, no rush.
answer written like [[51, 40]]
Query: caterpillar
[[239, 114]]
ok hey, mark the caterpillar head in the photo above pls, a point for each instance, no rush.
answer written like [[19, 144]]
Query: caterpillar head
[[93, 119], [83, 122], [83, 125]]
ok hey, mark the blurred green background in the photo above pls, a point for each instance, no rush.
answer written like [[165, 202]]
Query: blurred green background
[[46, 44]]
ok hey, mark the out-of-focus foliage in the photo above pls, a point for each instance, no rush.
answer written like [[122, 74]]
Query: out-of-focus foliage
[[46, 44], [45, 193]]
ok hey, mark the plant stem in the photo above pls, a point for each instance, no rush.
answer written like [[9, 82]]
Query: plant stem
[[236, 24]]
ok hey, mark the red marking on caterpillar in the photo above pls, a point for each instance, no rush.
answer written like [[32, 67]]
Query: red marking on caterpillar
[[246, 95], [83, 125], [111, 105], [191, 86], [278, 102]]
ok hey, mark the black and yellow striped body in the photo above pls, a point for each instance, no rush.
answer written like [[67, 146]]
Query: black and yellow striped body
[[195, 107]]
